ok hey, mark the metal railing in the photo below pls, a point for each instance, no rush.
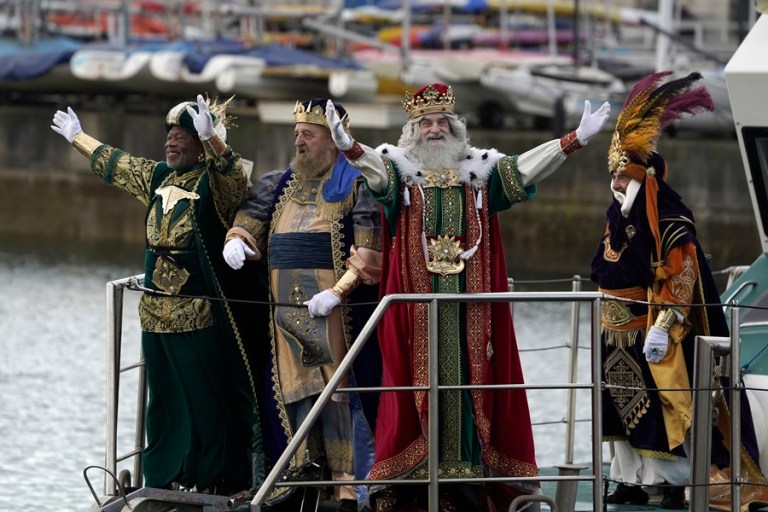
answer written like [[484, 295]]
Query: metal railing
[[434, 301], [706, 348]]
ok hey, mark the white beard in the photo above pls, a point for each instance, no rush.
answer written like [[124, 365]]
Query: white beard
[[447, 155]]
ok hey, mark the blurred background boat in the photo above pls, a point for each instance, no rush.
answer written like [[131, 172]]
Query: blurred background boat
[[513, 63]]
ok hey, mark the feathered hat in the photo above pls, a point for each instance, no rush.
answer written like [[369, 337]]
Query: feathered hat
[[648, 109]]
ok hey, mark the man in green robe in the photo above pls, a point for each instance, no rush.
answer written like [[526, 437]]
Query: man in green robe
[[202, 419]]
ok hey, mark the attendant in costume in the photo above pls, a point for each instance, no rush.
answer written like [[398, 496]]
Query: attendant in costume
[[650, 254], [320, 233], [440, 197], [202, 418]]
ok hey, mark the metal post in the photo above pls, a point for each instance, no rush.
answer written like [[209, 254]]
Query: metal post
[[735, 396], [565, 494], [701, 430], [405, 41], [597, 406], [573, 371], [114, 331], [433, 407]]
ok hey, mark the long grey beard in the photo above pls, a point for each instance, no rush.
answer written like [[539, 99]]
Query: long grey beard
[[447, 155]]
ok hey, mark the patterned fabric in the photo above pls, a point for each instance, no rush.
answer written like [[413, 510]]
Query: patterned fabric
[[202, 416], [306, 227], [480, 430], [626, 265]]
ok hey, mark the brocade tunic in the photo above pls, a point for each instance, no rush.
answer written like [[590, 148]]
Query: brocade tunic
[[453, 212], [307, 243], [202, 422]]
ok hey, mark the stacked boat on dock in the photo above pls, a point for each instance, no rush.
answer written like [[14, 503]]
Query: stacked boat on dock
[[274, 52]]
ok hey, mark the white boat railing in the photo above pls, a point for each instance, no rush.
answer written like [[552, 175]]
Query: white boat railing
[[569, 475]]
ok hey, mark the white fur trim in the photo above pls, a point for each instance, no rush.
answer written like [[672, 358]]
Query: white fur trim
[[475, 169]]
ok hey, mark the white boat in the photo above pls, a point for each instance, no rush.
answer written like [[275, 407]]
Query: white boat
[[462, 69], [117, 68], [297, 74], [549, 91], [171, 66]]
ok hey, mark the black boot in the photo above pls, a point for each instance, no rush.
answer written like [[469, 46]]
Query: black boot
[[627, 494], [674, 498]]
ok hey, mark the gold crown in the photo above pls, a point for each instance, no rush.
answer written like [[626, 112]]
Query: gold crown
[[316, 115], [429, 100]]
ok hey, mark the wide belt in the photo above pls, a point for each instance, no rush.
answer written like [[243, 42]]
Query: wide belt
[[624, 316], [300, 250]]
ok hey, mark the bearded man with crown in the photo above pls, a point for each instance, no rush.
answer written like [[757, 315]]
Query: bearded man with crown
[[202, 419], [441, 197], [650, 257], [319, 231]]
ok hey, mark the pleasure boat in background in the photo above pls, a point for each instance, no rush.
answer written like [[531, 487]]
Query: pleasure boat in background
[[548, 91]]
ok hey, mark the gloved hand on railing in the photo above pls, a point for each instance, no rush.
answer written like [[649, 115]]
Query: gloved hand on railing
[[322, 303]]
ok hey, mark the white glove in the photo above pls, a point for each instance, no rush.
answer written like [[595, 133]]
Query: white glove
[[202, 120], [340, 137], [655, 347], [322, 303], [66, 124], [591, 124], [235, 252]]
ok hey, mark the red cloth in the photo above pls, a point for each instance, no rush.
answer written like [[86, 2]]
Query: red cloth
[[501, 418]]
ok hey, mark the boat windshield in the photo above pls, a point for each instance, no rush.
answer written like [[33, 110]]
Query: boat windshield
[[755, 141]]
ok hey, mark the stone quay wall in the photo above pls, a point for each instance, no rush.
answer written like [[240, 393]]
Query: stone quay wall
[[48, 195]]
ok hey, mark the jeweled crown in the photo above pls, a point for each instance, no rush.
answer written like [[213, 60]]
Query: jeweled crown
[[315, 113], [430, 99]]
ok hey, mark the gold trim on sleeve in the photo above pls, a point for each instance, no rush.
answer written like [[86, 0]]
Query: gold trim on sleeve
[[85, 144], [214, 146], [666, 319], [347, 284]]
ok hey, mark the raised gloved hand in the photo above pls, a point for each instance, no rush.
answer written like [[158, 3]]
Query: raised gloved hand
[[340, 137], [322, 303], [202, 120], [591, 123], [66, 124], [655, 347], [235, 252]]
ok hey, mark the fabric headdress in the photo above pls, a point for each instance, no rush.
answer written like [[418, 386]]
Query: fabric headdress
[[178, 116], [648, 109], [313, 111], [430, 99]]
